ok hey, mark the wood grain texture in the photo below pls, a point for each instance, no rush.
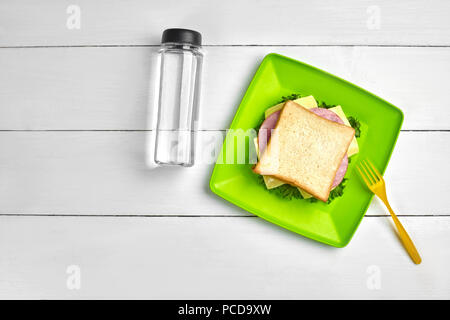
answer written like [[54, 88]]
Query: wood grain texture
[[217, 258], [138, 22], [111, 88], [105, 173]]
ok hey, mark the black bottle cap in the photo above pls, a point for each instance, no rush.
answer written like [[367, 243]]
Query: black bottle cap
[[182, 36]]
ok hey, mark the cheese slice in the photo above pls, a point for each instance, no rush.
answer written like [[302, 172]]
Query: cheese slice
[[307, 102], [353, 148], [304, 194], [272, 182]]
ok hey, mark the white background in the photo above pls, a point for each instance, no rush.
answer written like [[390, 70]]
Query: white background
[[75, 190]]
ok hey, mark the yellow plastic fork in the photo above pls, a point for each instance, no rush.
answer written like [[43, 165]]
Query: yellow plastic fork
[[374, 180]]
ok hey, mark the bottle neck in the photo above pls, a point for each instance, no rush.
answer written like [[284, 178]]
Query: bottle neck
[[182, 46]]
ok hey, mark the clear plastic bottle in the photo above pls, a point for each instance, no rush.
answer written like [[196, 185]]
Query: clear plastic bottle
[[179, 88]]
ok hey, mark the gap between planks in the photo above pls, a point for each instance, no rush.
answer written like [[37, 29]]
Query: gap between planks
[[223, 45], [189, 216], [150, 130]]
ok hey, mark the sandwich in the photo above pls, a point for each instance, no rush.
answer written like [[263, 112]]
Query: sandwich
[[303, 146]]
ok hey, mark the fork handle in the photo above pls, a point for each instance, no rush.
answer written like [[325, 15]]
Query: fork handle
[[404, 237]]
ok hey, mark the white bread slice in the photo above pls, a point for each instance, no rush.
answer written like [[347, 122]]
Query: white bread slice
[[305, 150]]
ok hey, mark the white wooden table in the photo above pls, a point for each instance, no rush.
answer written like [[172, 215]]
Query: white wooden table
[[82, 216]]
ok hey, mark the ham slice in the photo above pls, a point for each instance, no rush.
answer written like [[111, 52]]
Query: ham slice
[[265, 131]]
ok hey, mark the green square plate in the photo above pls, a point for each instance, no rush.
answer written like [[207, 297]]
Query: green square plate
[[334, 223]]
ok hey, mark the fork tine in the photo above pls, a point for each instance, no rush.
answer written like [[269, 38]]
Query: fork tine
[[366, 173], [372, 174], [375, 170], [363, 176]]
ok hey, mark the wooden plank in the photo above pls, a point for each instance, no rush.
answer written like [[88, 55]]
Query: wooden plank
[[105, 173], [110, 88], [216, 258], [51, 22]]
